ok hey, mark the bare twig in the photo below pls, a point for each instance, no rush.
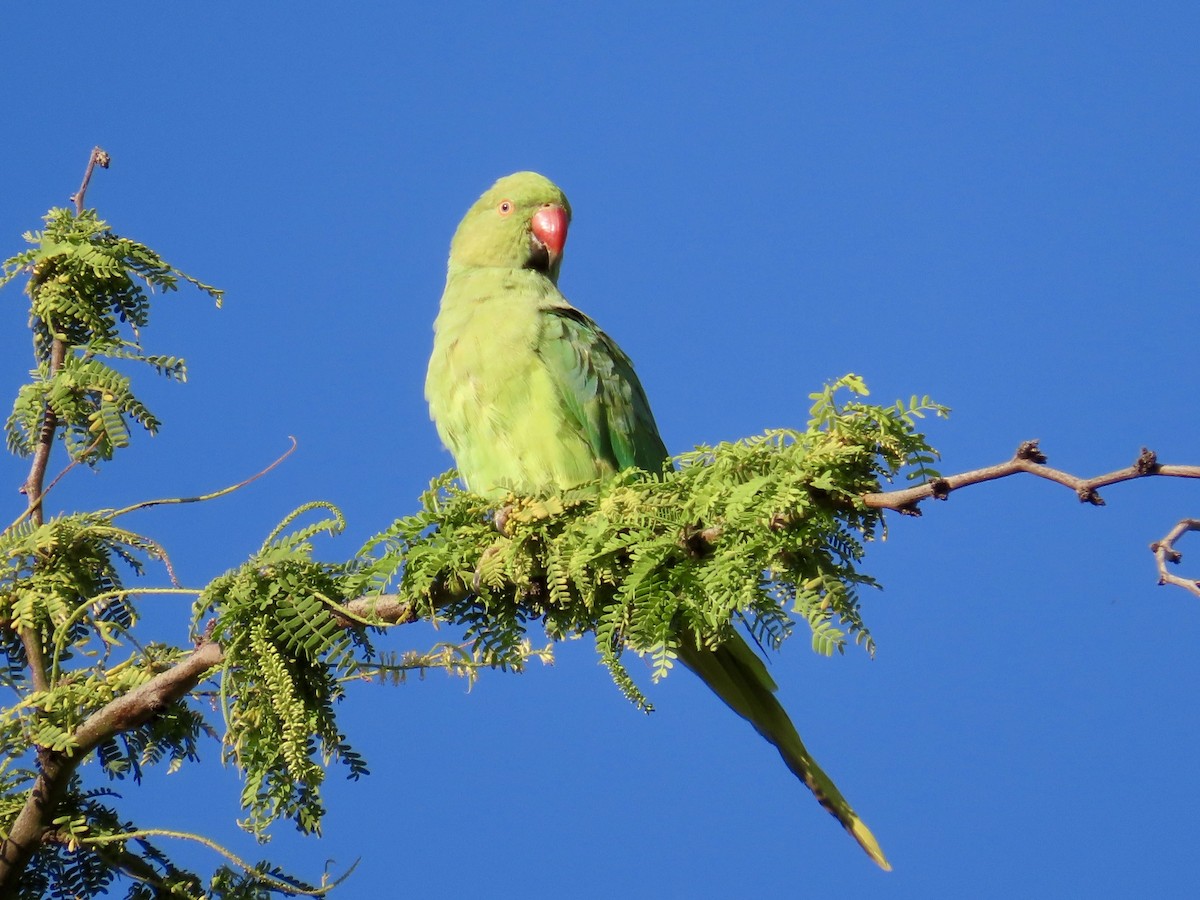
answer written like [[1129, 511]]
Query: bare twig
[[1030, 459], [98, 158], [262, 877], [171, 501], [1164, 552]]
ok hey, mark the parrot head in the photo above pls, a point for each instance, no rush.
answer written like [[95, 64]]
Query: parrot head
[[519, 223]]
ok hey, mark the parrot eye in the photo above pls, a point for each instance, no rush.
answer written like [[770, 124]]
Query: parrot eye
[[505, 207]]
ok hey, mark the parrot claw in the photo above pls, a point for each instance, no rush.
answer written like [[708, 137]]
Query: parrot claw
[[527, 510]]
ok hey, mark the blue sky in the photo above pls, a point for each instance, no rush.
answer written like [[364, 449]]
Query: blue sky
[[995, 204]]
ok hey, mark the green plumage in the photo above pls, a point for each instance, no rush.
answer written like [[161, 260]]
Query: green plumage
[[529, 394], [526, 391]]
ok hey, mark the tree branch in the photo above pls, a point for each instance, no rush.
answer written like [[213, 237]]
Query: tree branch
[[97, 158], [32, 488], [34, 822], [56, 767], [1028, 458], [1164, 552]]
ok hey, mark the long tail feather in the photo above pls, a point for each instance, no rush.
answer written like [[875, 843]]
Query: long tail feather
[[735, 673]]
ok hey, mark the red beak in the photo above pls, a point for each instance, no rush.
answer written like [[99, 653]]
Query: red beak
[[549, 226]]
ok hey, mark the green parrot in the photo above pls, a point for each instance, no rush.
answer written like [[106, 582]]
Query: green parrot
[[528, 393]]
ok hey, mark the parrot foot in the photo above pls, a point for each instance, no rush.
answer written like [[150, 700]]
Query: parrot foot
[[524, 510], [500, 518]]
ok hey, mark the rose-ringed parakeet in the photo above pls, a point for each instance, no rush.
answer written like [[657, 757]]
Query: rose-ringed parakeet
[[529, 394]]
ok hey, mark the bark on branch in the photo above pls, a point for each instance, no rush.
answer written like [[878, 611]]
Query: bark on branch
[[32, 488], [34, 822], [1164, 552], [1030, 459]]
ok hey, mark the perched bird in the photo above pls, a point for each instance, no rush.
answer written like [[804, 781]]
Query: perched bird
[[528, 393]]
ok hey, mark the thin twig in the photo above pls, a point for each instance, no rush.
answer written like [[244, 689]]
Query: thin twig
[[98, 158], [54, 769], [254, 871], [33, 491], [1029, 459], [37, 504], [171, 501], [1164, 552]]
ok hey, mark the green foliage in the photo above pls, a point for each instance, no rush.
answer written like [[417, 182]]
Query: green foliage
[[86, 283], [62, 589], [60, 580], [285, 655], [760, 532], [71, 867]]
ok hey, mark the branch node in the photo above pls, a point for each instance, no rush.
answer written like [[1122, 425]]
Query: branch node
[[1090, 495], [939, 489], [1147, 462], [1031, 451], [98, 157], [697, 540]]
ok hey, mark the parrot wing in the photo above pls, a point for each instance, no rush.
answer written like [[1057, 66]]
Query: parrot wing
[[600, 390]]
